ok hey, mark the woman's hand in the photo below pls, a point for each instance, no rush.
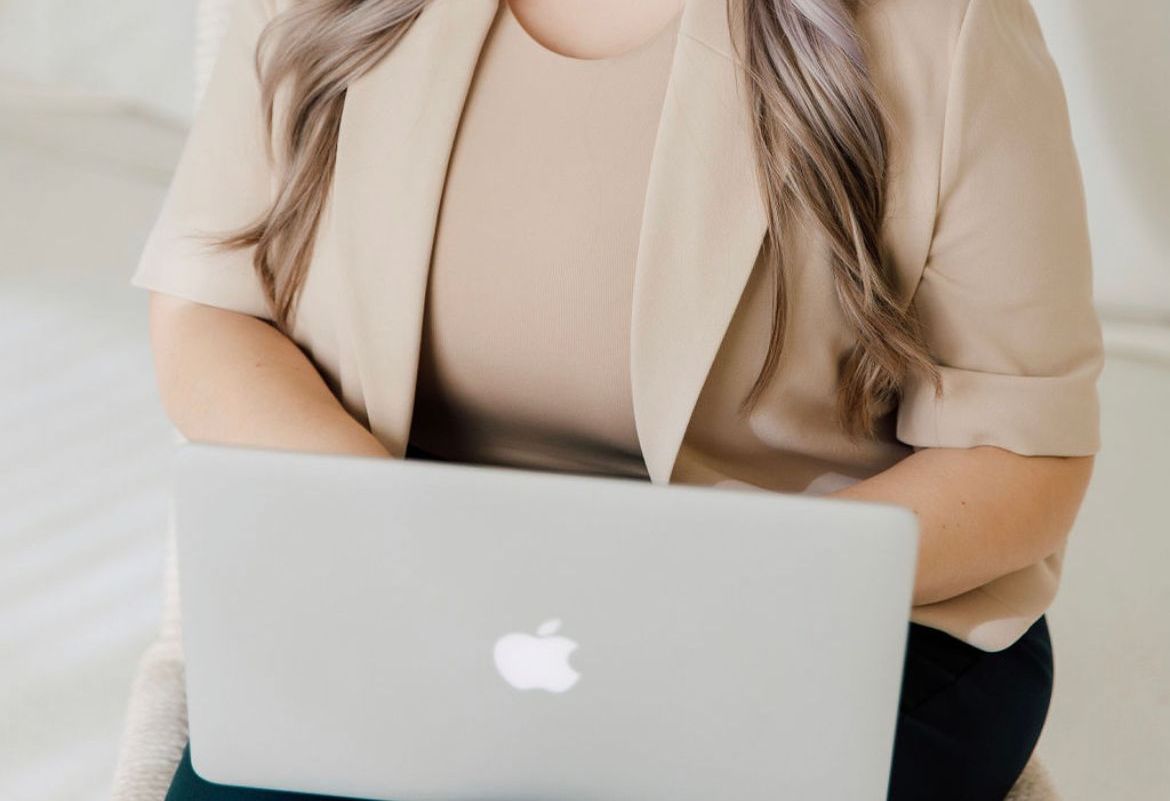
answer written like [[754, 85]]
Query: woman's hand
[[231, 378]]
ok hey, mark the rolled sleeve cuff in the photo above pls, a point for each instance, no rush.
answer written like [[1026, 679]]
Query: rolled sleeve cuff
[[1029, 415], [226, 283]]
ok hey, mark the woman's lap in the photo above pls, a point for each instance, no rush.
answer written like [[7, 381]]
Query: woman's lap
[[968, 721]]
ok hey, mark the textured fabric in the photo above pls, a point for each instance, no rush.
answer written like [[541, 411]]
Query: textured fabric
[[156, 717], [538, 232]]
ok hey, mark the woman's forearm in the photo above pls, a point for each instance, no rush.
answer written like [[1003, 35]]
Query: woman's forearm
[[230, 378], [983, 512]]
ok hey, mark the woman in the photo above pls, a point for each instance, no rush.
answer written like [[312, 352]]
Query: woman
[[811, 246]]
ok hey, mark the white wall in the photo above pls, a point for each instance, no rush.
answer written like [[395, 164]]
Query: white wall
[[1115, 59], [135, 49]]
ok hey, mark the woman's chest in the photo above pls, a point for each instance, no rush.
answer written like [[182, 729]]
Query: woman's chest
[[699, 232], [525, 347]]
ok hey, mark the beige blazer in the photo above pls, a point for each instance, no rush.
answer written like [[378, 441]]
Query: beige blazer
[[986, 235]]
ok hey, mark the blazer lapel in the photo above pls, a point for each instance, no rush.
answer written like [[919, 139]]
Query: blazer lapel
[[703, 223], [702, 227], [397, 132]]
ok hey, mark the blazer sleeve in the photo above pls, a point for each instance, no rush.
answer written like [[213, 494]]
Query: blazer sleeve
[[223, 180], [1006, 297]]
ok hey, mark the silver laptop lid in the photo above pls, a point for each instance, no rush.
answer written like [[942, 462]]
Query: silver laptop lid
[[409, 630]]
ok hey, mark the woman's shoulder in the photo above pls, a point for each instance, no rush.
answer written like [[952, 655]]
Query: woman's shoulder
[[272, 8], [250, 16], [911, 33], [929, 56], [914, 33], [933, 18]]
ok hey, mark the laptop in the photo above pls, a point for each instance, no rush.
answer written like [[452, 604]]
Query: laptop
[[414, 630]]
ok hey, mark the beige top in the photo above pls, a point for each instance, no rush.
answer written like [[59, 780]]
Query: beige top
[[537, 234], [986, 234]]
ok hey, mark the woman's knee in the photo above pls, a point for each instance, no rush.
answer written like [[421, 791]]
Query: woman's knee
[[969, 719]]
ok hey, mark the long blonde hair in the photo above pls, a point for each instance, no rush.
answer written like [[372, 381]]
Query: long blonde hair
[[819, 136]]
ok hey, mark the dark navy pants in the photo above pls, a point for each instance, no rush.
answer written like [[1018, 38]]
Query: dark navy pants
[[968, 721]]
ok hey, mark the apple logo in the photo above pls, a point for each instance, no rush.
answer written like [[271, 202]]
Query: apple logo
[[541, 662]]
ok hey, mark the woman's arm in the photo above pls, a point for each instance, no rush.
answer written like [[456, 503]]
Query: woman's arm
[[1003, 457], [983, 512], [231, 378], [226, 373]]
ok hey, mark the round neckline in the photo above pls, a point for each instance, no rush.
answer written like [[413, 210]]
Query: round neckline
[[626, 55]]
